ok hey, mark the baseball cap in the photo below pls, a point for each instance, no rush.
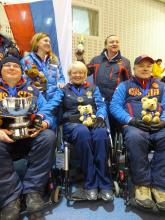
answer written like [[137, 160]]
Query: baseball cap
[[143, 57]]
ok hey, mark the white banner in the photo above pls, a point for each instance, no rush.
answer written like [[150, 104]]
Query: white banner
[[63, 15]]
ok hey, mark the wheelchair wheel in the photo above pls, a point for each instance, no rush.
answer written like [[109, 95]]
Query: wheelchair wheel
[[56, 194], [117, 188]]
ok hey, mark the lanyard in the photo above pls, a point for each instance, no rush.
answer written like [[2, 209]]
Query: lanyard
[[12, 91], [145, 91], [76, 91]]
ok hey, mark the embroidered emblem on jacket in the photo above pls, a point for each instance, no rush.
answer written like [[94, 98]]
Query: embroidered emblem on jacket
[[134, 92]]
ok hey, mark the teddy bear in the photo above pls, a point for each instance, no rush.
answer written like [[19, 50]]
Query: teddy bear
[[38, 79], [149, 113], [87, 117]]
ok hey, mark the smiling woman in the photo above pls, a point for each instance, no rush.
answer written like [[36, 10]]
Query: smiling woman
[[42, 67], [77, 73]]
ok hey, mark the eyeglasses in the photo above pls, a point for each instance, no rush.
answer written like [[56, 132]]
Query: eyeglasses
[[15, 66]]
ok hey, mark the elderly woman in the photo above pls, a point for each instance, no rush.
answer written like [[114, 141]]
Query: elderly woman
[[42, 67], [90, 142]]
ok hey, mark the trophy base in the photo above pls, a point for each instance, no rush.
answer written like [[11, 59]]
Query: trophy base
[[20, 127], [20, 133]]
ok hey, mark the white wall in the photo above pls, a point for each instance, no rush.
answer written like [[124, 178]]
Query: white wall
[[139, 23]]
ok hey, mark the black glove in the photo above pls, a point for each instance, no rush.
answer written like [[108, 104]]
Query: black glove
[[37, 122], [157, 127], [99, 123], [139, 124]]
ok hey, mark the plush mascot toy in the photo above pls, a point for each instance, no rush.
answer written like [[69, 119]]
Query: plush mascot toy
[[149, 112], [87, 117], [37, 78]]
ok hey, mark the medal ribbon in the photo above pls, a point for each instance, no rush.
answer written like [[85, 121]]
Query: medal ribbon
[[76, 91]]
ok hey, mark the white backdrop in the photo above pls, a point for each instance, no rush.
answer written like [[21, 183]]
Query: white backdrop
[[63, 13]]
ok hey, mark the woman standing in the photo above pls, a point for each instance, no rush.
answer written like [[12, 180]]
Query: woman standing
[[42, 67]]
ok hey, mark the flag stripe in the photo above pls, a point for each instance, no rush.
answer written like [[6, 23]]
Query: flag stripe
[[21, 23], [45, 20]]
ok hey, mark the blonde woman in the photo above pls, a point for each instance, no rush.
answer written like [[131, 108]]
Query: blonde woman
[[42, 67], [90, 142]]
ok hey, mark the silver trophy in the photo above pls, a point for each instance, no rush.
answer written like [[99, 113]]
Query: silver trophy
[[17, 112]]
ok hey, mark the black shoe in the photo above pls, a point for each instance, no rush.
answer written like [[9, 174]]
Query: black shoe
[[106, 195], [34, 202], [91, 194], [11, 211], [79, 195]]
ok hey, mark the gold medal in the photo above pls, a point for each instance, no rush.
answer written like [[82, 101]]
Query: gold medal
[[80, 99]]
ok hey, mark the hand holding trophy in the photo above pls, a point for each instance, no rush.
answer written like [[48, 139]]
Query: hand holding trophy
[[17, 113]]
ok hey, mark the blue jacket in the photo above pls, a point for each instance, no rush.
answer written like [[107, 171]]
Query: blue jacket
[[107, 74], [70, 101], [126, 101], [6, 91], [52, 72]]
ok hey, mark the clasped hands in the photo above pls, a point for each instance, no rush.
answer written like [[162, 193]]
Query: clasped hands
[[147, 127], [38, 125]]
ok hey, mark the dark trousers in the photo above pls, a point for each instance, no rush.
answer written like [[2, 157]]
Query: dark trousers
[[39, 152], [91, 148], [143, 171]]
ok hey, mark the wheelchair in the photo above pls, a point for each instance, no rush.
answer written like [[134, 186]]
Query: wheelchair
[[53, 190], [71, 168], [123, 174]]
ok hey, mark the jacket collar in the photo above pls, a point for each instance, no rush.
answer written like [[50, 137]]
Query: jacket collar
[[85, 84], [143, 82], [116, 58], [20, 84]]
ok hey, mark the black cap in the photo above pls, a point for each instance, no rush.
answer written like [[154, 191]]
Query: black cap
[[143, 57], [9, 59]]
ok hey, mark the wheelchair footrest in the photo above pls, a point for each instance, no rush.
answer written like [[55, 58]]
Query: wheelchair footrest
[[78, 195]]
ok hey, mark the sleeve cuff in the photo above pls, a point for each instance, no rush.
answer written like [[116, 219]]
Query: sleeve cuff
[[47, 122], [41, 115], [100, 116]]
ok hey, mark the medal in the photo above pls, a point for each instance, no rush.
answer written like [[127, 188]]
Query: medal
[[80, 99]]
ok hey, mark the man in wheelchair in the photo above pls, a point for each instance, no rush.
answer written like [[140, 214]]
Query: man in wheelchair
[[37, 146], [87, 132], [126, 107]]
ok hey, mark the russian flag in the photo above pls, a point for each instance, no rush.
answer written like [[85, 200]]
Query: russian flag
[[26, 17]]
